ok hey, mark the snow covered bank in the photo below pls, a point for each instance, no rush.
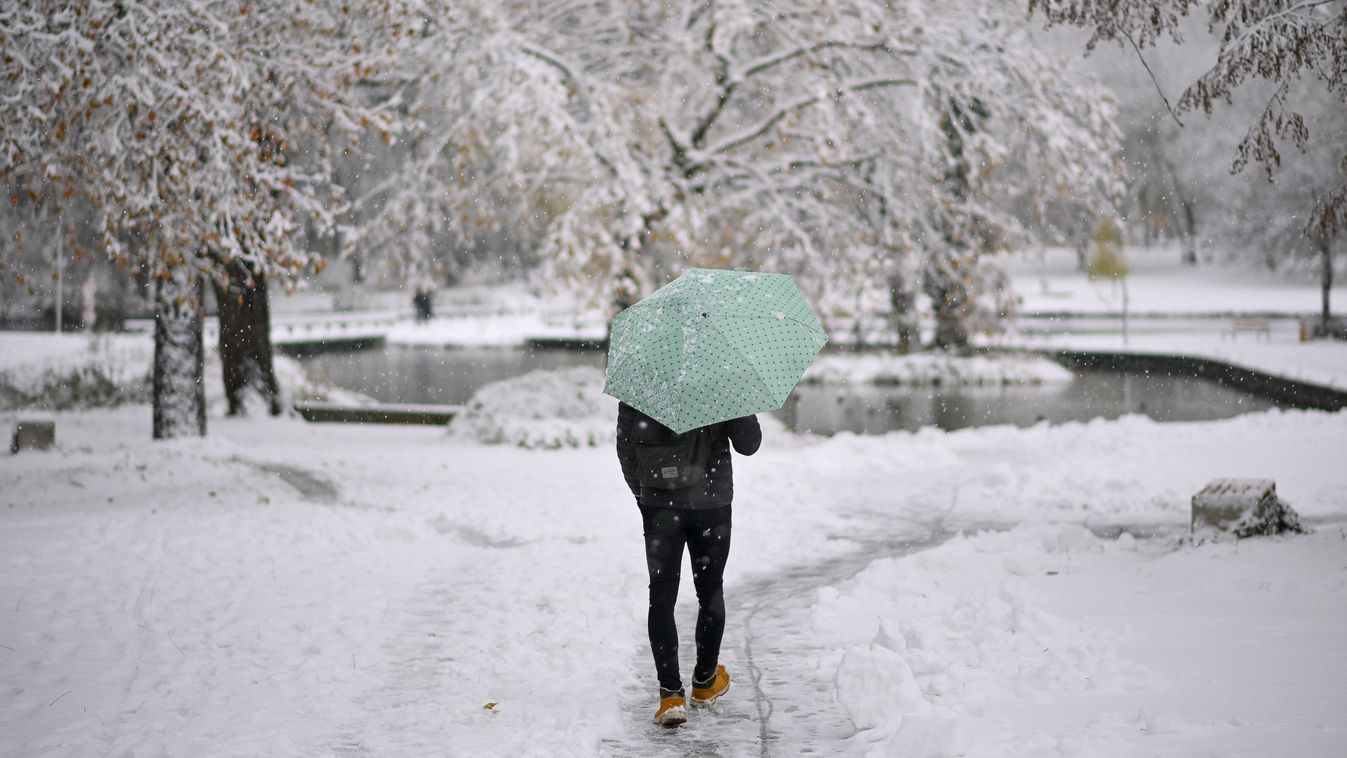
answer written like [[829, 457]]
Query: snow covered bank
[[70, 371], [1322, 362], [929, 369], [1048, 640]]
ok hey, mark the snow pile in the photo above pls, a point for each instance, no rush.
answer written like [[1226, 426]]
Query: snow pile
[[295, 381], [73, 371], [935, 369], [541, 409], [924, 641]]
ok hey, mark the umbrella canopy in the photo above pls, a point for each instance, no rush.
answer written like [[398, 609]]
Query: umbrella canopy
[[712, 345]]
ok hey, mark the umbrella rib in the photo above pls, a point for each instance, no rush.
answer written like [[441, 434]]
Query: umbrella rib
[[812, 327], [765, 386]]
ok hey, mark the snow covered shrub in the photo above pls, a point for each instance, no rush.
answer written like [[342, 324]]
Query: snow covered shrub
[[90, 386], [299, 383], [1106, 252], [542, 409], [67, 372]]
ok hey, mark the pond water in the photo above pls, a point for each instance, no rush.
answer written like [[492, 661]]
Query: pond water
[[437, 376]]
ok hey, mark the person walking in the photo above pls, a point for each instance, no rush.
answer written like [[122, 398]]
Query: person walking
[[690, 365], [684, 487]]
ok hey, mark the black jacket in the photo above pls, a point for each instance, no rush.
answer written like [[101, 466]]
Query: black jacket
[[718, 487]]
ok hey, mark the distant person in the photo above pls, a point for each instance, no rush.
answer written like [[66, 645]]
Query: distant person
[[683, 484], [423, 305]]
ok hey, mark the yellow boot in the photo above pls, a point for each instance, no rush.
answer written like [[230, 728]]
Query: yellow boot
[[706, 693], [673, 710]]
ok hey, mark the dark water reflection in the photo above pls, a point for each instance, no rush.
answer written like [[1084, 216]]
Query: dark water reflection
[[866, 409], [427, 375], [434, 375]]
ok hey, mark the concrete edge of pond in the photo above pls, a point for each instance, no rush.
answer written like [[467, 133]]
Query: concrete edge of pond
[[299, 348], [379, 413], [1281, 390]]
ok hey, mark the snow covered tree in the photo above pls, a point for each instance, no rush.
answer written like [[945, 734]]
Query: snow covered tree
[[871, 148], [200, 133], [1107, 262], [1170, 183], [478, 153], [1268, 215], [1299, 47]]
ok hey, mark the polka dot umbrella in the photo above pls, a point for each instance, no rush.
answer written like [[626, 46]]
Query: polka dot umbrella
[[712, 345]]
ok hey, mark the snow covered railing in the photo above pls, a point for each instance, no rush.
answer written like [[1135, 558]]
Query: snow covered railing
[[469, 310], [309, 328], [325, 328]]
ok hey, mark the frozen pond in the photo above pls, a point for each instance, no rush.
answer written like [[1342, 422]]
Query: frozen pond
[[428, 375]]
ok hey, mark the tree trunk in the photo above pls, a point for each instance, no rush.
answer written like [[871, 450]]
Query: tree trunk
[[1124, 310], [948, 283], [903, 299], [948, 275], [860, 318], [245, 341], [1326, 281], [1189, 234], [179, 356], [951, 327], [357, 259]]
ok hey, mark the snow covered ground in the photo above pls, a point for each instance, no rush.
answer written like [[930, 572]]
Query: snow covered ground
[[1160, 284], [1178, 310], [285, 589]]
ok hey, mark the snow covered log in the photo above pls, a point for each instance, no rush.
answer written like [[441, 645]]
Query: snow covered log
[[1244, 508]]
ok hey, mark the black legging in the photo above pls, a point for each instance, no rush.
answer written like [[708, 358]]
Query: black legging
[[707, 534]]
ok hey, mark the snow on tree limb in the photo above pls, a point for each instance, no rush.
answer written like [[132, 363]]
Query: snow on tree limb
[[1281, 41], [187, 125], [738, 133]]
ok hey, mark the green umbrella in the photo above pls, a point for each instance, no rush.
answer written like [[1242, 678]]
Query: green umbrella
[[712, 345]]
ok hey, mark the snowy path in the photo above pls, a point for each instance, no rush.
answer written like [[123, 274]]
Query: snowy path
[[798, 714], [777, 705]]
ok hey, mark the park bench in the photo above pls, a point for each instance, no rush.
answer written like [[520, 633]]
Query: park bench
[[1252, 325]]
